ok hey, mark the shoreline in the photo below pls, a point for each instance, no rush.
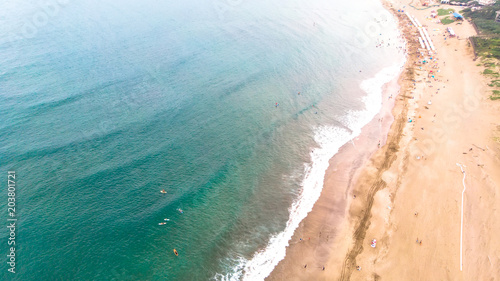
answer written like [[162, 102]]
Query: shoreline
[[388, 182], [344, 169], [374, 128]]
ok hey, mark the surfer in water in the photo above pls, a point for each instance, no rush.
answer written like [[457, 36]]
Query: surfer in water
[[163, 191]]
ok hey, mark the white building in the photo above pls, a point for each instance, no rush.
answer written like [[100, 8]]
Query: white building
[[486, 2]]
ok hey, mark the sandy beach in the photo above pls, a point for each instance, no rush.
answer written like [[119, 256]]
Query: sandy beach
[[408, 193]]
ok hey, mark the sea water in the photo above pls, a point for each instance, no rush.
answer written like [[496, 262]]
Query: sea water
[[232, 107]]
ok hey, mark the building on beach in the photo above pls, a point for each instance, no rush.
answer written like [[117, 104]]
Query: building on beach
[[458, 16], [486, 2]]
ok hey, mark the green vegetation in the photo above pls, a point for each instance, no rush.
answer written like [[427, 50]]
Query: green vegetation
[[487, 47], [487, 43], [444, 12], [447, 20], [495, 95], [487, 26], [491, 73], [485, 19], [494, 83]]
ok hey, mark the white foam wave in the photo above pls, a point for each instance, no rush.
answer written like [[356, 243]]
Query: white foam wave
[[236, 272], [356, 120], [329, 139]]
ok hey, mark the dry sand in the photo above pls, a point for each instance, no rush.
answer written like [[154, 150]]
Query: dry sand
[[415, 171]]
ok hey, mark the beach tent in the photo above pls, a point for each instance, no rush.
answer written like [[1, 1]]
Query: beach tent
[[458, 16]]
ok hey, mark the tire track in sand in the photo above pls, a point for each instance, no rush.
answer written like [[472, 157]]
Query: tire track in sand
[[389, 156]]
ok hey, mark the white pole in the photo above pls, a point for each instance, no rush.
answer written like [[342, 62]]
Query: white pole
[[462, 216]]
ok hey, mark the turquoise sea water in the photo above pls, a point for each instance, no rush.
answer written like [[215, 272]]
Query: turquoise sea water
[[105, 103]]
